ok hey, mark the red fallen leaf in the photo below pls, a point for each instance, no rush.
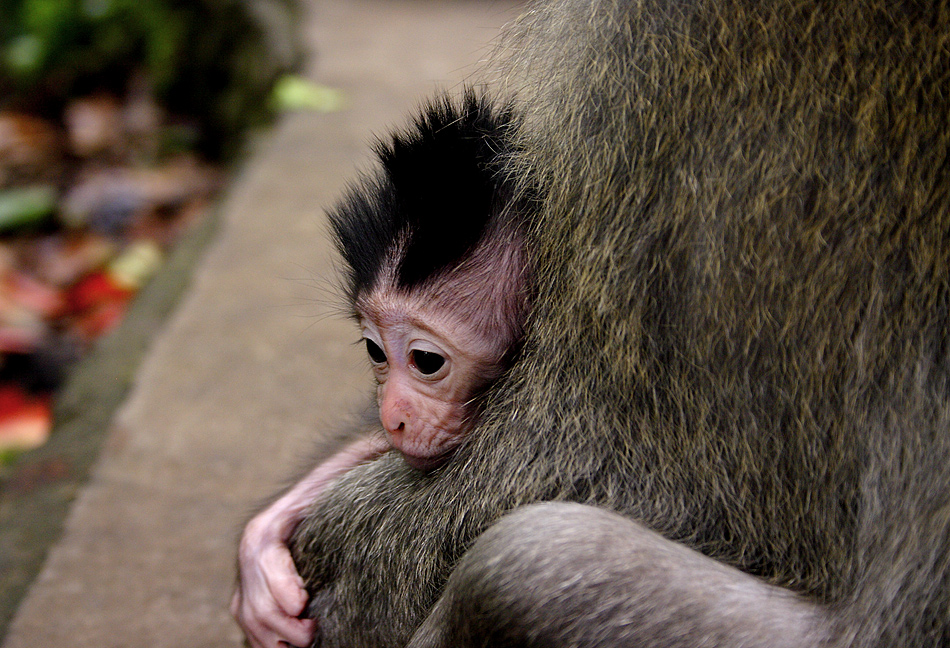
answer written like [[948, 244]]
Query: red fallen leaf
[[25, 421], [96, 289]]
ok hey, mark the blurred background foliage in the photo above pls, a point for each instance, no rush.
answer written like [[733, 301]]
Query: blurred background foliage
[[210, 62], [118, 121]]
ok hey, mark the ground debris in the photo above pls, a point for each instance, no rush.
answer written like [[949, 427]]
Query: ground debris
[[90, 205]]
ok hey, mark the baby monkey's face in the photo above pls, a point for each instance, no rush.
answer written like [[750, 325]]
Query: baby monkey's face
[[429, 365]]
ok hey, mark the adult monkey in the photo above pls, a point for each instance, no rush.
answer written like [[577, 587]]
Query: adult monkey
[[740, 342]]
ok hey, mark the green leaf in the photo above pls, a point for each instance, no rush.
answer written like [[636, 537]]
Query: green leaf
[[293, 92], [25, 206], [24, 56]]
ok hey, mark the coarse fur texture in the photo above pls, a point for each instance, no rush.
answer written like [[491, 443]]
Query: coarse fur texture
[[598, 579], [740, 338]]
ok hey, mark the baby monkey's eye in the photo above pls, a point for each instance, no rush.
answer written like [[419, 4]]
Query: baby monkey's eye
[[375, 353], [427, 362]]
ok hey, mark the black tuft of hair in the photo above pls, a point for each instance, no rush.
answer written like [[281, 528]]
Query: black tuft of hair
[[438, 190]]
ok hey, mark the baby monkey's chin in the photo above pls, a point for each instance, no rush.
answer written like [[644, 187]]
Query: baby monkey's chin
[[429, 462]]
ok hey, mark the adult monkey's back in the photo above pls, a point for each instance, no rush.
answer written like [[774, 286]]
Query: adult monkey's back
[[740, 341]]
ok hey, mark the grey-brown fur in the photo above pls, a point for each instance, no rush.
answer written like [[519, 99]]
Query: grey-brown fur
[[559, 574], [741, 334]]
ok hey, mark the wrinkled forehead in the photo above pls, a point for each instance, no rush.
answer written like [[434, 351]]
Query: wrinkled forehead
[[393, 309]]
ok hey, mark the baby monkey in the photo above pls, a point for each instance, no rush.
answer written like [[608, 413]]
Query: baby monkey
[[437, 272], [439, 281]]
